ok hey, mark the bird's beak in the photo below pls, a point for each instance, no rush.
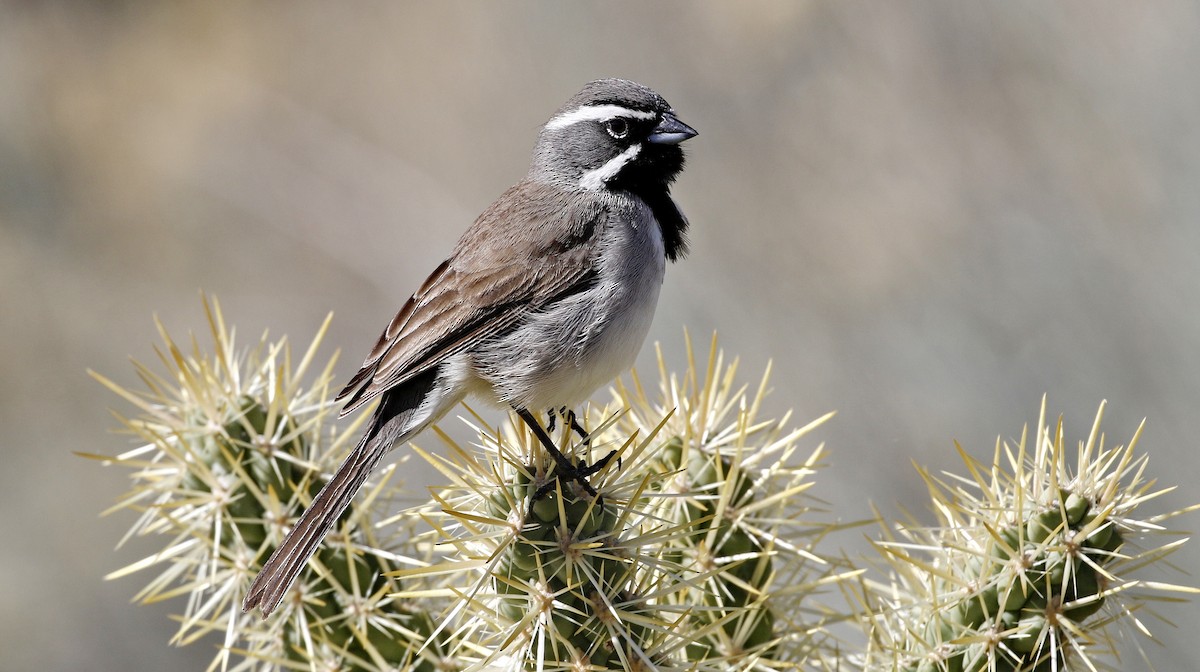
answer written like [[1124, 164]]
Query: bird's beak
[[670, 131]]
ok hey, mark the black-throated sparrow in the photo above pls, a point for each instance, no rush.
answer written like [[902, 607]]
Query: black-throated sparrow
[[545, 298]]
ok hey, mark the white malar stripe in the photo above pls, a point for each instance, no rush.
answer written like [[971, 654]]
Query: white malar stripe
[[597, 113], [594, 180]]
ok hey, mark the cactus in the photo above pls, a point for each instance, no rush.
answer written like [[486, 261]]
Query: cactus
[[236, 444], [680, 561], [1029, 566], [699, 551]]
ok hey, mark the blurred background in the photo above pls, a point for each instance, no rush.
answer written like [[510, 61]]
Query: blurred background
[[926, 214]]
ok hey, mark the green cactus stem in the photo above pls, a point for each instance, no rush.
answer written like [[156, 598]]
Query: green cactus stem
[[1030, 566]]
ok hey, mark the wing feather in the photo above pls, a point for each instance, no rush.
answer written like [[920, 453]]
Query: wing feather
[[533, 246]]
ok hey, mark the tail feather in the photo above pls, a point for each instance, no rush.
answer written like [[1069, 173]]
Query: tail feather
[[402, 413], [286, 563]]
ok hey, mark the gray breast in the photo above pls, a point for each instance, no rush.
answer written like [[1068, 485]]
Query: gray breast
[[561, 355]]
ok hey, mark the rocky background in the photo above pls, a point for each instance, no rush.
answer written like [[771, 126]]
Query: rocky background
[[926, 214]]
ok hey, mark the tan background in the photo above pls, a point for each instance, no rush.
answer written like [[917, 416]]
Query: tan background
[[928, 215]]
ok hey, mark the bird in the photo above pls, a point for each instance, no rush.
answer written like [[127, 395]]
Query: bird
[[546, 297]]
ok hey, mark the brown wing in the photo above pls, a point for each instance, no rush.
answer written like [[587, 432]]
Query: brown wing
[[531, 247]]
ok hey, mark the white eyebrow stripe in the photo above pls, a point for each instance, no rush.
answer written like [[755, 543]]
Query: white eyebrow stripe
[[596, 113], [593, 180]]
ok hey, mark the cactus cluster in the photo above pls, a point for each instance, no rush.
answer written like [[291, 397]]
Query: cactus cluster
[[691, 556], [697, 551], [1034, 579], [234, 446], [1021, 570]]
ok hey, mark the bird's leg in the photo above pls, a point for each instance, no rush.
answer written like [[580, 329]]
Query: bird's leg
[[564, 467], [573, 421], [554, 413]]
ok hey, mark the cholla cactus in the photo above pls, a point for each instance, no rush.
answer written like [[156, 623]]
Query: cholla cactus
[[235, 445], [699, 553], [1030, 565]]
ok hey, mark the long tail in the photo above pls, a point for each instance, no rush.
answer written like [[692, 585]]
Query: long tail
[[284, 565], [398, 417]]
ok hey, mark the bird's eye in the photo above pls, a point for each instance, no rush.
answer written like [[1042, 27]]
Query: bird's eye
[[617, 128]]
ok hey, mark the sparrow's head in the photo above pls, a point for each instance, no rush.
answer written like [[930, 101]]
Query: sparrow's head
[[614, 134]]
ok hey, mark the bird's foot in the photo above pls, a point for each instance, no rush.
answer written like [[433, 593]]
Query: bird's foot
[[564, 469], [577, 472]]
